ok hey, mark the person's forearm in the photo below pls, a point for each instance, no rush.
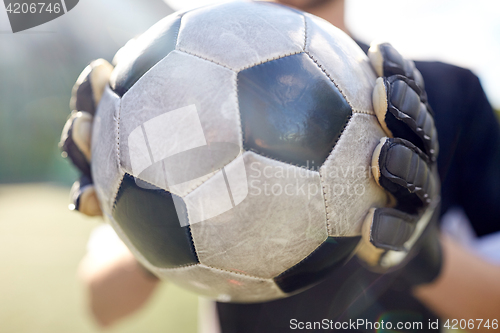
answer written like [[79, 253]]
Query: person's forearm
[[117, 288], [467, 288]]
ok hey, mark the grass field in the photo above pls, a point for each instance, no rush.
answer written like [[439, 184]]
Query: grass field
[[41, 243]]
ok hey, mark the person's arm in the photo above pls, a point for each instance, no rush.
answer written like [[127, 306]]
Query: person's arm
[[116, 285], [467, 288]]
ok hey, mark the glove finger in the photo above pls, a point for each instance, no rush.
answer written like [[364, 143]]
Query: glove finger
[[391, 228], [75, 140], [387, 61], [89, 87], [384, 230], [405, 172], [401, 112], [83, 197]]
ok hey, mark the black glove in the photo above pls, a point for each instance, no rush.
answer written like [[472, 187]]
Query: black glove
[[77, 132], [404, 164]]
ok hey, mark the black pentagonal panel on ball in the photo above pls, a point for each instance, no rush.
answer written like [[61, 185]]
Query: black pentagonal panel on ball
[[291, 110], [330, 255], [154, 45], [148, 217]]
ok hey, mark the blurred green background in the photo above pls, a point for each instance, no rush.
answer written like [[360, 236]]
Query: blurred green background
[[41, 241], [41, 244], [39, 66]]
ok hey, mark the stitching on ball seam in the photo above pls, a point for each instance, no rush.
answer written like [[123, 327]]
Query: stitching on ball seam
[[328, 225], [172, 268], [116, 119], [331, 79], [321, 176], [197, 185], [191, 189], [238, 273], [192, 239], [305, 32], [240, 126], [270, 59], [287, 163], [205, 179], [164, 269], [116, 188], [277, 160], [214, 268], [203, 58], [178, 30], [371, 113]]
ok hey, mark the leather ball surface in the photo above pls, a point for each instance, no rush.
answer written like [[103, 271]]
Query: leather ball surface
[[231, 150]]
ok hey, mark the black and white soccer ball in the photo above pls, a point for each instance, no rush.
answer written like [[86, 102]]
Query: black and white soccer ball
[[231, 150]]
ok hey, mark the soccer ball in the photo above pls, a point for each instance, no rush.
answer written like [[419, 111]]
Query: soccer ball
[[231, 151]]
